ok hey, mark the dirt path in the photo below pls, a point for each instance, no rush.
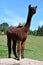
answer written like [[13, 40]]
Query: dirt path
[[25, 61]]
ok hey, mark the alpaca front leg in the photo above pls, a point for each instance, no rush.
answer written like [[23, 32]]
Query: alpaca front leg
[[22, 49], [19, 50]]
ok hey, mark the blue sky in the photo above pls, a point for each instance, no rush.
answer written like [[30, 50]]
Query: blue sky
[[15, 11]]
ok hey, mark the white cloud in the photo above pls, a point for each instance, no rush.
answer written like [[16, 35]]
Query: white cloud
[[12, 21], [11, 18]]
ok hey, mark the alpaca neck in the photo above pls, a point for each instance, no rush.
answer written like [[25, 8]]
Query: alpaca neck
[[27, 25]]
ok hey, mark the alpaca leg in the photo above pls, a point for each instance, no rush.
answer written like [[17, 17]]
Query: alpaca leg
[[9, 47], [19, 49], [22, 49], [14, 48]]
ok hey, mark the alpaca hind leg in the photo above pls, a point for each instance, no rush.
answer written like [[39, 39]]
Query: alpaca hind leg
[[9, 47], [14, 48], [22, 49], [19, 49]]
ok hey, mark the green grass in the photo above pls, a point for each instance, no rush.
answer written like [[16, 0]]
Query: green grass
[[33, 47], [3, 46]]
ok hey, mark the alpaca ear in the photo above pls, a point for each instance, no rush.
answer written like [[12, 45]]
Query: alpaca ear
[[36, 6], [29, 6]]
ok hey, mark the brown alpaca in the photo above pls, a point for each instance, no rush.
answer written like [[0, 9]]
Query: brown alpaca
[[19, 35]]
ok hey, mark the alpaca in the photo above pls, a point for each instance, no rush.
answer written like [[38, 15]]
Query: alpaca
[[19, 35]]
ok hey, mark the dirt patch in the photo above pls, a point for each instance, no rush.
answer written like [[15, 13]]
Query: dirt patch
[[26, 61]]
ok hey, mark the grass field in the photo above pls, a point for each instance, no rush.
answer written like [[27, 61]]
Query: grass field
[[33, 47]]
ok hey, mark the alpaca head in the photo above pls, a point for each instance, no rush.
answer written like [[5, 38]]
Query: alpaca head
[[32, 10]]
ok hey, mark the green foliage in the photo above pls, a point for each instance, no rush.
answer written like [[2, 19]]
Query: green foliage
[[38, 32], [4, 27]]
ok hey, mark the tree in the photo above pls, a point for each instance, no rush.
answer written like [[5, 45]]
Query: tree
[[4, 27], [40, 31]]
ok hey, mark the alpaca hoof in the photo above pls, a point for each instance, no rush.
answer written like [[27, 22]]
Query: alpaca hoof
[[17, 58], [9, 57], [22, 57]]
